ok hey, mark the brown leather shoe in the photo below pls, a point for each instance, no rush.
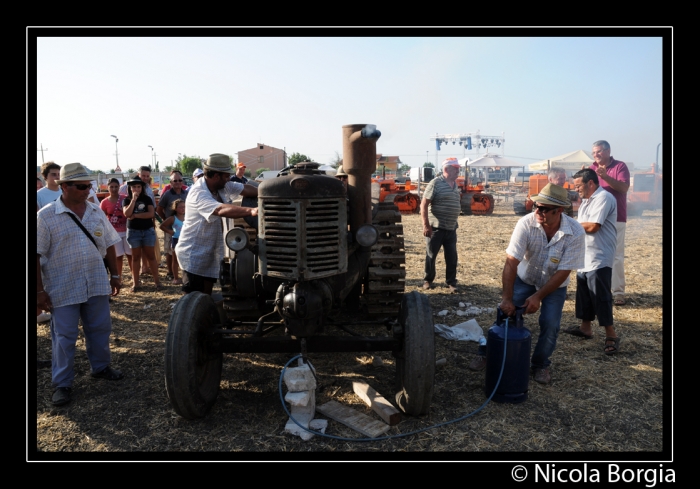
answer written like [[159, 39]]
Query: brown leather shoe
[[543, 376], [479, 363]]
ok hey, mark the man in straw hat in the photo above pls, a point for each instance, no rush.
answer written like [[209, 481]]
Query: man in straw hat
[[598, 216], [544, 248], [71, 281], [200, 248], [439, 210]]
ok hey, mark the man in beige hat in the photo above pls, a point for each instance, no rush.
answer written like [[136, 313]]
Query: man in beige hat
[[73, 238], [544, 248], [200, 248], [342, 176]]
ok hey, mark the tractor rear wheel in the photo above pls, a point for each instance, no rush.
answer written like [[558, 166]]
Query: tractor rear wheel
[[192, 366], [415, 364]]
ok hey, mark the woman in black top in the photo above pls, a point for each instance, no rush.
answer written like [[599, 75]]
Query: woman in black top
[[140, 231]]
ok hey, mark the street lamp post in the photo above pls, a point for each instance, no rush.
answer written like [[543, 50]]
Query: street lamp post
[[42, 152], [657, 155], [152, 160], [116, 145]]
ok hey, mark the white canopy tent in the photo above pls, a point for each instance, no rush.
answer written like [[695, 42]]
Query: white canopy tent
[[567, 161], [491, 160]]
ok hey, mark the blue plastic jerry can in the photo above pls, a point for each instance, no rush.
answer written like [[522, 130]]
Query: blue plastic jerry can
[[515, 380]]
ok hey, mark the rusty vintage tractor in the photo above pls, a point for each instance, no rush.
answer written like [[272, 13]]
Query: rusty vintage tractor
[[314, 248]]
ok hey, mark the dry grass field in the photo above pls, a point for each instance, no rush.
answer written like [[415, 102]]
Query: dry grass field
[[598, 407]]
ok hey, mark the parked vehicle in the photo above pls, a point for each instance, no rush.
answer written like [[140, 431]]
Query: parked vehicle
[[521, 176]]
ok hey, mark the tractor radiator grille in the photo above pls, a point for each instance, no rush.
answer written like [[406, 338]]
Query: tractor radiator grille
[[302, 239]]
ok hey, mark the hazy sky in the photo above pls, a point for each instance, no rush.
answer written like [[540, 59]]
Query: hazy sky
[[202, 95]]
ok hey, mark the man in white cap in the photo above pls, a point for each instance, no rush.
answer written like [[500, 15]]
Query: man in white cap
[[73, 237], [544, 248], [200, 248], [439, 210]]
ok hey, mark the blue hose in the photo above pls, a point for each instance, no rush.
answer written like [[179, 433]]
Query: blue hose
[[400, 435]]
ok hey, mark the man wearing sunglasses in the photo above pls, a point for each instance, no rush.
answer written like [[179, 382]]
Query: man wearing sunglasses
[[594, 298], [71, 280], [544, 248], [176, 191]]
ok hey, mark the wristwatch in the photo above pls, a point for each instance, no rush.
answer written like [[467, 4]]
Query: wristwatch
[[116, 276]]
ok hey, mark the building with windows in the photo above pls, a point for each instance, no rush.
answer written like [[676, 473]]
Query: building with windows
[[263, 156]]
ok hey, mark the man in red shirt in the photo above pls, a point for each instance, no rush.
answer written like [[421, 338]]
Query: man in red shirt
[[614, 176]]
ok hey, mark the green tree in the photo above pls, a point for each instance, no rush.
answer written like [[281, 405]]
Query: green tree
[[131, 171], [404, 168], [295, 158], [111, 170], [188, 164], [428, 164], [260, 170]]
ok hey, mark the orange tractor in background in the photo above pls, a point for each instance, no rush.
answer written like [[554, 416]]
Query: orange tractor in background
[[522, 205], [401, 192], [474, 200], [645, 193]]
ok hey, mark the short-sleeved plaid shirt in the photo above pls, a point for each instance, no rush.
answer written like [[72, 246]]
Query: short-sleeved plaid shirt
[[72, 269], [540, 258], [201, 244]]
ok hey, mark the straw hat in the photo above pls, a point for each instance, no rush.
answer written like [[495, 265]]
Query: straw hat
[[218, 162], [340, 172], [553, 195], [74, 172]]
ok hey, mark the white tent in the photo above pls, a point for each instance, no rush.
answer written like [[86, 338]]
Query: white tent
[[491, 160], [567, 161]]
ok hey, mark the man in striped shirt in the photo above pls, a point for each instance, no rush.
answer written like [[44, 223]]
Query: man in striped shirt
[[439, 210]]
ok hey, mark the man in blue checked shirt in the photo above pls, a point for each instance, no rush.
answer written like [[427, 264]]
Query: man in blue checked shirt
[[71, 279]]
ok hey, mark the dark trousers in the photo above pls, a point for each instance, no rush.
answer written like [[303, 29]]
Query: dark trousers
[[594, 296], [441, 238]]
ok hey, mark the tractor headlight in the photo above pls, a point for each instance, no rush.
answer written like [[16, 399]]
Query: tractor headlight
[[367, 235], [237, 239]]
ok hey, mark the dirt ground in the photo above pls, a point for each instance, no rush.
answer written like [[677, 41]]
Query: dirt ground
[[595, 404]]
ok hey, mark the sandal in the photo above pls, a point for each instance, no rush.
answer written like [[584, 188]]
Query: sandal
[[136, 288], [176, 281], [159, 287], [611, 349], [620, 301], [576, 331]]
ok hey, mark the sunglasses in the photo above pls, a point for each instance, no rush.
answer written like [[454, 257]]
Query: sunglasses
[[176, 181], [543, 209], [79, 186]]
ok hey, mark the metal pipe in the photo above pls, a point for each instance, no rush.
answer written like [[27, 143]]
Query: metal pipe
[[657, 154], [360, 156]]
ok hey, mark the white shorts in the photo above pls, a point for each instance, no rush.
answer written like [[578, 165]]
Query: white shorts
[[122, 247]]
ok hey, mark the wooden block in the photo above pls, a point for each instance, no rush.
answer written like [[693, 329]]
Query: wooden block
[[379, 405], [353, 419]]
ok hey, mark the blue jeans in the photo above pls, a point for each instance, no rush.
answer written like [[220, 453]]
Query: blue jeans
[[550, 320], [97, 326], [447, 240], [141, 237]]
